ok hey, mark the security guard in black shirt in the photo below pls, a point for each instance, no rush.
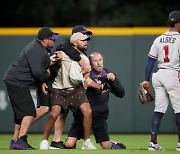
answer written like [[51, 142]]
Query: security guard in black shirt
[[28, 72], [99, 104]]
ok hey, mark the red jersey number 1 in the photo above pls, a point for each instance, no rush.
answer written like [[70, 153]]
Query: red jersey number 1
[[166, 49]]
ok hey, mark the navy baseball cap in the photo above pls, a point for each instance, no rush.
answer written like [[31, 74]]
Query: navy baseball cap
[[174, 16], [82, 29], [46, 32]]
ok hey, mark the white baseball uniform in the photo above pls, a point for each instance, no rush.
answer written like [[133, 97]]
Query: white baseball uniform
[[166, 81]]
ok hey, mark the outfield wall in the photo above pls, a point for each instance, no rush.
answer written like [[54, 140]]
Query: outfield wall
[[125, 52]]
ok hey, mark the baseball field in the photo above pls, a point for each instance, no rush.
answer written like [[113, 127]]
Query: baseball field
[[135, 143]]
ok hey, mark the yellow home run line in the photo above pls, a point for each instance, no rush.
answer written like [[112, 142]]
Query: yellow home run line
[[96, 30]]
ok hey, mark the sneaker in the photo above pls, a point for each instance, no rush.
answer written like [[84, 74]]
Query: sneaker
[[11, 145], [178, 147], [22, 144], [117, 145], [57, 145], [88, 145], [154, 147], [44, 145]]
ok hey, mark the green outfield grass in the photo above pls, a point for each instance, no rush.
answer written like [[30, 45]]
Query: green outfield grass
[[135, 143]]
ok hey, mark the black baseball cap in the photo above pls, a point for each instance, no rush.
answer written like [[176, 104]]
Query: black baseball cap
[[174, 17], [46, 32], [82, 29]]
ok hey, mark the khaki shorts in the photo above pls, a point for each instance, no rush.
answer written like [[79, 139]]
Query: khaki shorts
[[68, 99]]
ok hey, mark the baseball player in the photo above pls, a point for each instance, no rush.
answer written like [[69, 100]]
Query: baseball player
[[166, 81]]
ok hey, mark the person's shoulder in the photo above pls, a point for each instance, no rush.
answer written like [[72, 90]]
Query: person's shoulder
[[84, 57], [157, 39], [32, 46], [36, 44]]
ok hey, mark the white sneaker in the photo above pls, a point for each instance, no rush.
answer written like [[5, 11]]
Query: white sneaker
[[178, 147], [44, 145], [154, 147], [88, 145]]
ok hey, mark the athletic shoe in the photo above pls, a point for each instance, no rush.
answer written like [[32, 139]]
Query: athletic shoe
[[22, 144], [11, 145], [88, 145], [117, 145], [154, 147], [57, 145], [44, 145], [178, 147]]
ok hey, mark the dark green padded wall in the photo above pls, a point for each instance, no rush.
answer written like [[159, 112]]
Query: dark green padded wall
[[124, 55]]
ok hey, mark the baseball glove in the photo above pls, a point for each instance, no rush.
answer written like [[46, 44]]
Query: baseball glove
[[144, 94]]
